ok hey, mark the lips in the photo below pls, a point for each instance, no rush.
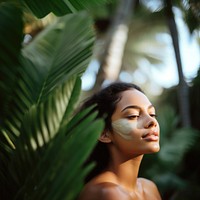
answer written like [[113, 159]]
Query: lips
[[151, 136]]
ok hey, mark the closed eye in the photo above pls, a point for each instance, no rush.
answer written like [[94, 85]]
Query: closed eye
[[131, 117], [153, 115]]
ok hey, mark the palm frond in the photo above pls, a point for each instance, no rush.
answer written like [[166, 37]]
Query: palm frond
[[42, 150], [175, 142], [66, 154], [10, 47], [52, 58], [54, 110], [61, 7], [174, 148], [58, 7], [60, 51], [42, 137]]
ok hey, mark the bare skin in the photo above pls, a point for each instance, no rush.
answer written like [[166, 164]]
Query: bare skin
[[120, 180]]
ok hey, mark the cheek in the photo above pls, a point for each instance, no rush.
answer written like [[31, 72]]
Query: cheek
[[124, 128]]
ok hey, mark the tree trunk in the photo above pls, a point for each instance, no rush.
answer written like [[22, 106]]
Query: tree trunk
[[116, 37], [183, 90]]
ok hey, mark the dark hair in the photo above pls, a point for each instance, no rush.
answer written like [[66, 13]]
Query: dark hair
[[104, 103]]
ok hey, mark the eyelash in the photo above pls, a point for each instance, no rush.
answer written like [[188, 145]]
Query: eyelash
[[153, 115], [136, 116], [132, 117]]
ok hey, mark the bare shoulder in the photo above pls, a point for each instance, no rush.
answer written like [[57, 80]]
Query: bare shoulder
[[147, 183], [105, 191], [104, 187], [150, 188]]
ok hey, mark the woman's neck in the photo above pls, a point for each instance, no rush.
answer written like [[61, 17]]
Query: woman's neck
[[126, 171]]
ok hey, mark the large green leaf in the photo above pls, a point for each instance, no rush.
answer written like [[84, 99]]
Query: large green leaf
[[60, 7], [57, 55], [53, 170], [59, 52], [42, 151], [10, 47], [47, 159], [78, 146], [55, 112]]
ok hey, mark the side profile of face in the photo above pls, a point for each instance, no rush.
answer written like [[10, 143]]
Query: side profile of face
[[135, 128]]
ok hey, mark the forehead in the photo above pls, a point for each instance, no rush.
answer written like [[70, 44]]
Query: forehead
[[132, 97]]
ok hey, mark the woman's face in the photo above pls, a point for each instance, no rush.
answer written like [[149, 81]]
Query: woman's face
[[135, 128]]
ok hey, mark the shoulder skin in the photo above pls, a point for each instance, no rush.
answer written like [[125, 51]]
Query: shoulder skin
[[150, 189], [103, 191], [111, 191]]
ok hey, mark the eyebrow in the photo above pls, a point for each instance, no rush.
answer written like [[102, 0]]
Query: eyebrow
[[135, 107]]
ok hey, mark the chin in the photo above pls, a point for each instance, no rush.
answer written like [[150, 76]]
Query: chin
[[153, 149], [156, 148]]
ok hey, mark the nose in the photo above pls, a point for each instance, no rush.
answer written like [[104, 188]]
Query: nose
[[150, 122]]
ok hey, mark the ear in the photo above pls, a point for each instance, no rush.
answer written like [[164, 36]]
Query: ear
[[104, 137]]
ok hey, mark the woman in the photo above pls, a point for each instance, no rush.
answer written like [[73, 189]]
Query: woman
[[131, 130]]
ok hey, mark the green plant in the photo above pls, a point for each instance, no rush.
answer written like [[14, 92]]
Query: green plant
[[42, 143]]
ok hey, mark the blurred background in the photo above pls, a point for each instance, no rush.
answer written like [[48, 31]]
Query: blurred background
[[156, 45], [142, 34]]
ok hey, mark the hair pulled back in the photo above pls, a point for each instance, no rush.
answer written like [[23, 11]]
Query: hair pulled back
[[104, 103]]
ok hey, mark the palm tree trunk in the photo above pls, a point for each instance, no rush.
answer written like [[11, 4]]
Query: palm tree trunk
[[116, 37], [183, 89]]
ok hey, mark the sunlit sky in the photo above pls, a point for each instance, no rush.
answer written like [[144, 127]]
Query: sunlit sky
[[190, 55], [166, 76]]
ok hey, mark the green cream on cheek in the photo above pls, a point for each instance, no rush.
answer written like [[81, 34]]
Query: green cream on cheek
[[124, 128]]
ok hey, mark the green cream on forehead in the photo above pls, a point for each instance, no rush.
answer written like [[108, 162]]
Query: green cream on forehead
[[124, 128]]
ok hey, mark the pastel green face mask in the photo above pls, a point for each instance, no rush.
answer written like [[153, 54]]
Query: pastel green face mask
[[123, 127]]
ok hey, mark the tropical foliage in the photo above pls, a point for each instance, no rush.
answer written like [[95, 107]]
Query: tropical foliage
[[43, 143], [42, 146]]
